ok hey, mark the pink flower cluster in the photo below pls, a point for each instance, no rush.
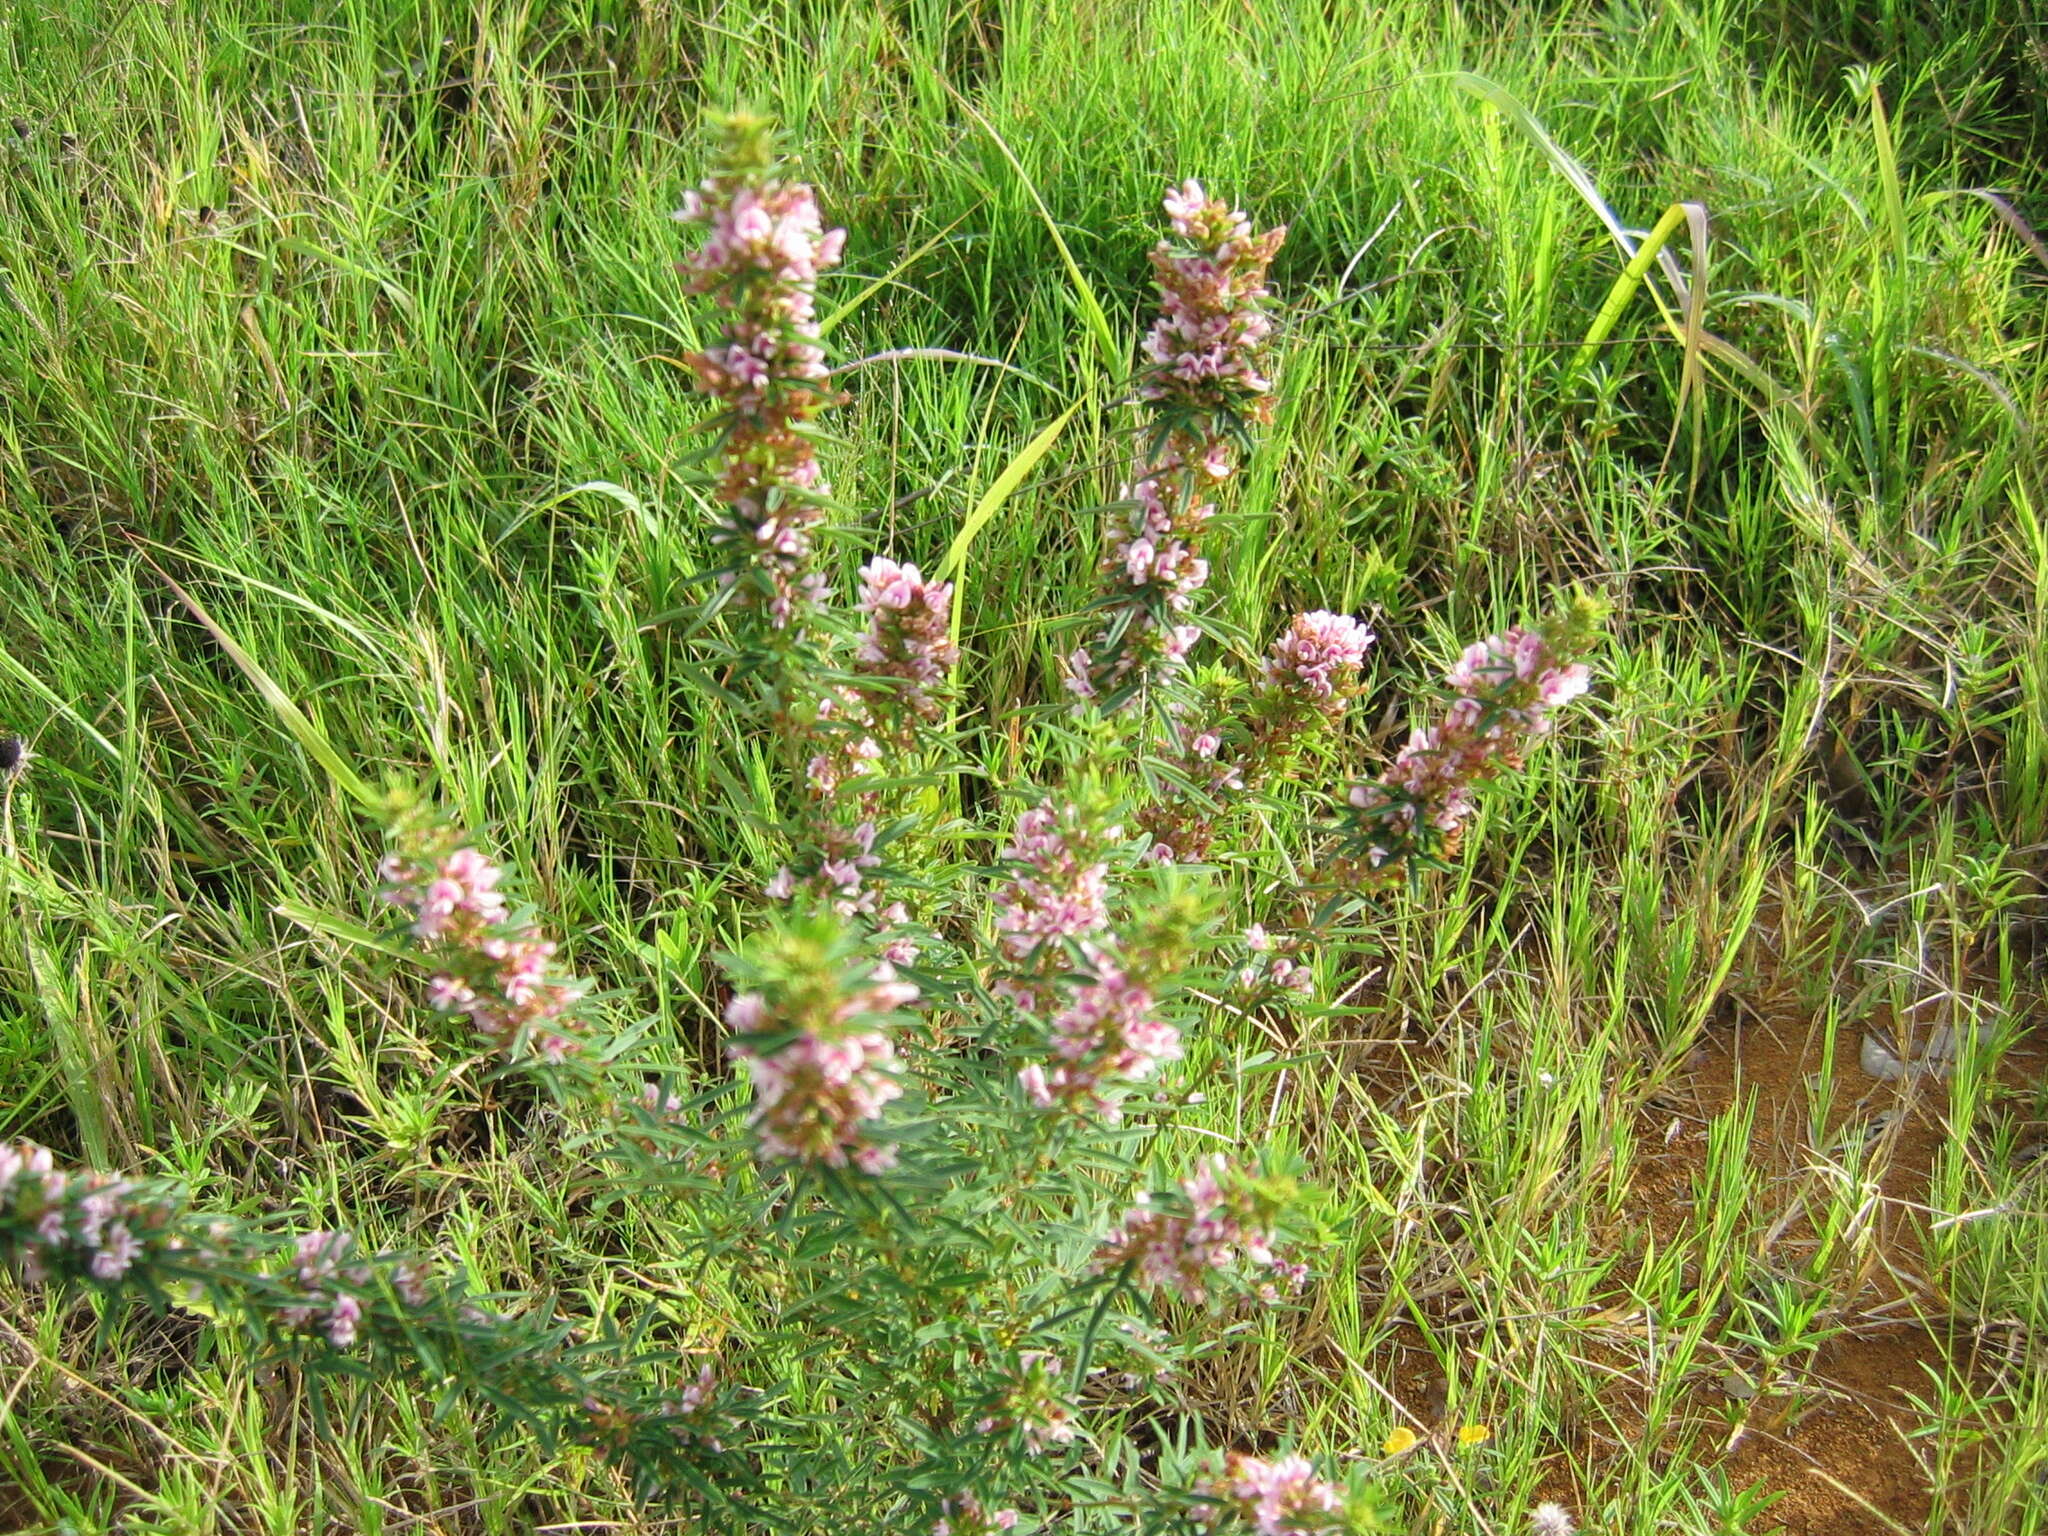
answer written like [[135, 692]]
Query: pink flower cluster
[[1032, 1404], [964, 1516], [1273, 973], [837, 870], [1057, 894], [764, 246], [895, 688], [692, 1414], [1152, 571], [1518, 676], [68, 1222], [1183, 822], [1052, 922], [846, 751], [1204, 383], [902, 660], [498, 971], [1204, 349], [102, 1226], [1181, 1249], [325, 1268], [908, 639], [1105, 1037], [1282, 1497], [822, 1071], [1316, 661], [1308, 678], [1504, 690]]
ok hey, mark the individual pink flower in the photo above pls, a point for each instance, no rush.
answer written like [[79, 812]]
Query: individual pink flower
[[117, 1250], [1037, 1091]]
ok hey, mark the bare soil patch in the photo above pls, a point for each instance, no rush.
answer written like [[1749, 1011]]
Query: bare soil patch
[[1842, 1453]]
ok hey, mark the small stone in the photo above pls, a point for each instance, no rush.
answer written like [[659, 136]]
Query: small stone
[[1937, 1058], [1879, 1058], [1940, 1055]]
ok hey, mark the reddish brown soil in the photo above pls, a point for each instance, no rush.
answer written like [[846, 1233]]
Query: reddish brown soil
[[1841, 1458], [1842, 1453]]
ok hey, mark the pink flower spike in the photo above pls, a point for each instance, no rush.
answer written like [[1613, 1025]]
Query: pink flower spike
[[1505, 689], [1205, 382], [764, 246], [825, 1074], [499, 972], [1222, 1223], [1283, 1497], [909, 637], [1316, 662]]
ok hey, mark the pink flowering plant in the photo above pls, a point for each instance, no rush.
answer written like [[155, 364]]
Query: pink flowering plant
[[941, 1171], [1504, 692], [763, 249], [1205, 389], [331, 1308], [1235, 735]]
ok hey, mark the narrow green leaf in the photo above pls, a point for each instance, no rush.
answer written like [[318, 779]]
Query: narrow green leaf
[[1624, 288], [301, 727], [953, 565], [1092, 313]]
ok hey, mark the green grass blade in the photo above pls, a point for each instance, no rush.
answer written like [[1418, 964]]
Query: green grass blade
[[1624, 288], [296, 721], [1000, 490], [1109, 355]]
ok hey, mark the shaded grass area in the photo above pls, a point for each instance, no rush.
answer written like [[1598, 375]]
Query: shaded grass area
[[336, 314]]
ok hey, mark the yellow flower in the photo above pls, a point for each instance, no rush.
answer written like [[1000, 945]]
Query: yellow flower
[[1400, 1439], [1473, 1434]]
